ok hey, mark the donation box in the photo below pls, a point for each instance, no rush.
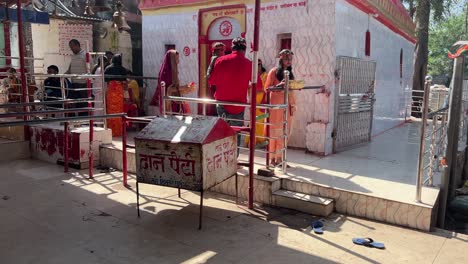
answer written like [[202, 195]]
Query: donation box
[[192, 153]]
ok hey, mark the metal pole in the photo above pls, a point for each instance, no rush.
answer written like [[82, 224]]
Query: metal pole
[[432, 152], [91, 121], [63, 91], [253, 102], [24, 87], [237, 187], [425, 106], [162, 107], [267, 125], [201, 211], [285, 122], [124, 151], [103, 90], [65, 147], [441, 142], [138, 197], [452, 138]]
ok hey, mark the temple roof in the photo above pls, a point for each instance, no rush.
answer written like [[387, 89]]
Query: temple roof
[[391, 13]]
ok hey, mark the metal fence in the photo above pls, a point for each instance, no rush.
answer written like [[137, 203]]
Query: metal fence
[[244, 131], [434, 129], [431, 104], [37, 101]]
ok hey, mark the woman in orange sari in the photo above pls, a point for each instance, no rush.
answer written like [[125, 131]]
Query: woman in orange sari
[[169, 73], [276, 78], [115, 76]]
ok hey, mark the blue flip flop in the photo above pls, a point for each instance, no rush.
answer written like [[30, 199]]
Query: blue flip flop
[[368, 242], [318, 227]]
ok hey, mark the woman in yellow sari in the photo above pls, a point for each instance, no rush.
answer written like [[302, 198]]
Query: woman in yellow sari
[[276, 78], [260, 128]]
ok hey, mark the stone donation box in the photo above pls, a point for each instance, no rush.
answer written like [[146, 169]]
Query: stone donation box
[[192, 153]]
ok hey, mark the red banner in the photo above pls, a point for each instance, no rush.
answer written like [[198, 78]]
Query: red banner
[[460, 51]]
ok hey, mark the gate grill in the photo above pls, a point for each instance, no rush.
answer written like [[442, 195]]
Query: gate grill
[[355, 102]]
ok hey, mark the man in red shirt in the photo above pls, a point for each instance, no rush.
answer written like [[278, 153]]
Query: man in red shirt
[[232, 75]]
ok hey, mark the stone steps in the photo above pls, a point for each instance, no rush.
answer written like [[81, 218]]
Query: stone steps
[[306, 196], [302, 202]]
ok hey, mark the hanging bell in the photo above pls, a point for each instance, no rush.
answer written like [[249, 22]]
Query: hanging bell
[[88, 9], [74, 4], [101, 6], [118, 18]]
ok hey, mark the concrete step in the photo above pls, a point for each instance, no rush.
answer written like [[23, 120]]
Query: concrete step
[[264, 187], [303, 202], [14, 149], [111, 156]]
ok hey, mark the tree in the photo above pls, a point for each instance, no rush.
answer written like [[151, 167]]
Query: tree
[[421, 10], [442, 36], [422, 16]]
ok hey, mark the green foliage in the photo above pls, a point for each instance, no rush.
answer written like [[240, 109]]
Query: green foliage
[[440, 9], [442, 36]]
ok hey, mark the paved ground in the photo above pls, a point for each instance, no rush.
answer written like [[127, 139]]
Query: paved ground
[[49, 217]]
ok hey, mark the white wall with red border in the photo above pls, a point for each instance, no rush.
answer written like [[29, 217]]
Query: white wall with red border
[[314, 60], [391, 91]]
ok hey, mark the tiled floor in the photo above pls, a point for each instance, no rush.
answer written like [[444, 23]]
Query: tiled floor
[[50, 217], [384, 168]]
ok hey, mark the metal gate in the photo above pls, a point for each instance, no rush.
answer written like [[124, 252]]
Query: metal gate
[[354, 102]]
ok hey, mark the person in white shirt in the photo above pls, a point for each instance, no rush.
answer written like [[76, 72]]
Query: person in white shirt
[[78, 66]]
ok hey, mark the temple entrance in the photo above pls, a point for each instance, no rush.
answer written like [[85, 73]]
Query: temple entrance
[[220, 24]]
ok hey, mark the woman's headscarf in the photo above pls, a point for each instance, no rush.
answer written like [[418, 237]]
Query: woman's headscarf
[[168, 74], [286, 53], [116, 70], [117, 60]]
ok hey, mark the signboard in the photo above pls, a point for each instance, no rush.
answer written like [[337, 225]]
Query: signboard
[[219, 161], [187, 51], [225, 28], [188, 153], [80, 32], [172, 165]]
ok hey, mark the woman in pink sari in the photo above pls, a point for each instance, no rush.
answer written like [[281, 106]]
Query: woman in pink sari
[[276, 78], [169, 73]]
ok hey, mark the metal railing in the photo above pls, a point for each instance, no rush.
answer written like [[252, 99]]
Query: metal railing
[[433, 136], [243, 131], [57, 108]]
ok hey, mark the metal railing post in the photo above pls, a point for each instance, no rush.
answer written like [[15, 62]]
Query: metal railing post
[[425, 106], [253, 124], [432, 151], [90, 113], [285, 121], [63, 91], [124, 151], [103, 90], [267, 126], [65, 146], [162, 107], [441, 142]]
